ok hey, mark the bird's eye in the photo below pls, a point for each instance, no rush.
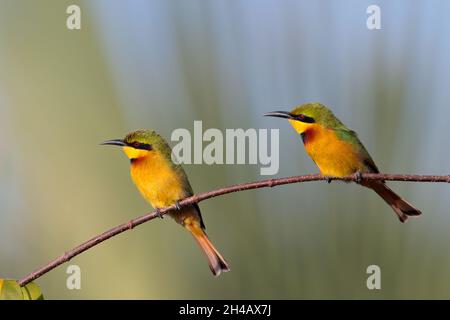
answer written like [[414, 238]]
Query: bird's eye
[[301, 117], [141, 145]]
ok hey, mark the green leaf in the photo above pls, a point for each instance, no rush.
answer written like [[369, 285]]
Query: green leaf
[[10, 290]]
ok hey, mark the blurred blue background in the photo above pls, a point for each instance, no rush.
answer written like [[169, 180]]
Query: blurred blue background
[[162, 65]]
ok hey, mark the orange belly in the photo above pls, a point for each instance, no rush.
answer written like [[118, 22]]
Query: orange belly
[[333, 156], [157, 181]]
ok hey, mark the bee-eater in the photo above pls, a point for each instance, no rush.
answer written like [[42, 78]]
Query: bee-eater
[[164, 183], [337, 151]]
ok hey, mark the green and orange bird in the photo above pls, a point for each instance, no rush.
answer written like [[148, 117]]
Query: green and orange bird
[[164, 183], [337, 151]]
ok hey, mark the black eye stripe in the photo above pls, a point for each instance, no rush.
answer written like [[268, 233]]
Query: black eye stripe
[[141, 146], [303, 118]]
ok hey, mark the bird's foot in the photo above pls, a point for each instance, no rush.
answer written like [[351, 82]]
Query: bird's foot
[[328, 179], [358, 177], [159, 214], [178, 205], [130, 225]]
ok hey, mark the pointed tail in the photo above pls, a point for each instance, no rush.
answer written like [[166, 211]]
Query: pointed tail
[[401, 207], [216, 262]]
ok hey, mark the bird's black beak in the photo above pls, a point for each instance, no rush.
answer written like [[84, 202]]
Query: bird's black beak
[[279, 114], [115, 142]]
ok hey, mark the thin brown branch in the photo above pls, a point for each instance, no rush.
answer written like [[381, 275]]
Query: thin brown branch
[[215, 193]]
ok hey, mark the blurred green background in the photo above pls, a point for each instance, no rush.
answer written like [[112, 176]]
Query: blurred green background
[[162, 65]]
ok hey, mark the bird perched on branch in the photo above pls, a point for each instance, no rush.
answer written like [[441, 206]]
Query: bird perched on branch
[[164, 183], [337, 151]]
